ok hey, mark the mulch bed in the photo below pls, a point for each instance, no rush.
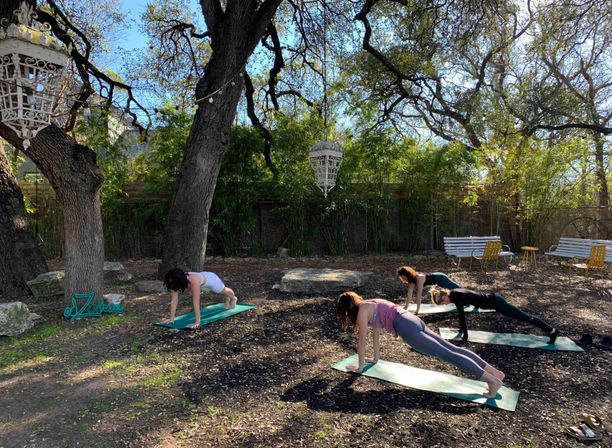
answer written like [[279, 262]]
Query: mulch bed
[[262, 378]]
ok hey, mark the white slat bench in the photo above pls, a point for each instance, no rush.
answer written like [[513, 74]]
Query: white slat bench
[[466, 246], [578, 248]]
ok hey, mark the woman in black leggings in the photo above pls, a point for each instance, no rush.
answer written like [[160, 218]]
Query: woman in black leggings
[[463, 297]]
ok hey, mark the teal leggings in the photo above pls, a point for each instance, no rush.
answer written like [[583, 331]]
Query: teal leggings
[[443, 281]]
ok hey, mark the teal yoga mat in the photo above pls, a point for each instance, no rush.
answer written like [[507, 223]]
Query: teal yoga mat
[[432, 381], [428, 308], [515, 340], [208, 314]]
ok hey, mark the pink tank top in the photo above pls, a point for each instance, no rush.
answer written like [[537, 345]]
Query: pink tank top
[[384, 314]]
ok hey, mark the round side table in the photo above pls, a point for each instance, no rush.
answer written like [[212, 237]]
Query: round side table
[[529, 254]]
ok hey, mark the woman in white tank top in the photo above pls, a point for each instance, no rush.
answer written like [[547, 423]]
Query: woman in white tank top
[[178, 280]]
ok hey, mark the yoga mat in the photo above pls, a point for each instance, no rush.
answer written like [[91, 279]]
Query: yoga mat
[[432, 381], [428, 308], [515, 340], [208, 314]]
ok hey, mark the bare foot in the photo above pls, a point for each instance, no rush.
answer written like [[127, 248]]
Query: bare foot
[[233, 302], [493, 384], [226, 304]]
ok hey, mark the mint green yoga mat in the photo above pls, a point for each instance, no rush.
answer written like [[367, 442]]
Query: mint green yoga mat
[[208, 314], [432, 381], [428, 308], [515, 340]]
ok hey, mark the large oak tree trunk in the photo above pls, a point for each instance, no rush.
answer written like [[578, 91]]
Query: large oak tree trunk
[[21, 258], [234, 34], [76, 179], [604, 195]]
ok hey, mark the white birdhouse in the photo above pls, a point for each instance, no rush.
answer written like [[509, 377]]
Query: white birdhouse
[[33, 64], [325, 159]]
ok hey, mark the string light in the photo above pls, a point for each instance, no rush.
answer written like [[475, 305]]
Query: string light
[[209, 97]]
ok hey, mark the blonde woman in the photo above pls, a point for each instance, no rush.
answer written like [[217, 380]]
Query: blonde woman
[[463, 297], [382, 314]]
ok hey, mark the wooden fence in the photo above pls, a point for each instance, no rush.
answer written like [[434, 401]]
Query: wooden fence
[[139, 235]]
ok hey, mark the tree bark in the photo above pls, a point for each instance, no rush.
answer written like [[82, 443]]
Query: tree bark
[[22, 260], [234, 33], [604, 195], [76, 179]]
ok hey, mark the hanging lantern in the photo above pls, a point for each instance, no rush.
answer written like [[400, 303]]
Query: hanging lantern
[[33, 64], [325, 159]]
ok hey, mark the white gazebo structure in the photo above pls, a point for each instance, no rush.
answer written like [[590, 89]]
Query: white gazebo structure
[[33, 64], [325, 159]]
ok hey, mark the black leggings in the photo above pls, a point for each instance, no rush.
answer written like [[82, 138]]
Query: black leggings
[[503, 307]]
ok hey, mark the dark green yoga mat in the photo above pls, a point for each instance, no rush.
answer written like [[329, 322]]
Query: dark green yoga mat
[[432, 381], [208, 314], [428, 308], [515, 340]]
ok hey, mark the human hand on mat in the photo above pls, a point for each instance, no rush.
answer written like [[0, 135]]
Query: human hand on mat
[[193, 326], [168, 321]]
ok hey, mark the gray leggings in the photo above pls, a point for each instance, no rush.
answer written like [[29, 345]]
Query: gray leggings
[[415, 333]]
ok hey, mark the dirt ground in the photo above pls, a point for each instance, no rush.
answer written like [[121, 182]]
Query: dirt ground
[[262, 378]]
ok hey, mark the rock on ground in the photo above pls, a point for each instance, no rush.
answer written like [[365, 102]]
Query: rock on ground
[[114, 299], [115, 272], [150, 286], [322, 280], [15, 318], [47, 284]]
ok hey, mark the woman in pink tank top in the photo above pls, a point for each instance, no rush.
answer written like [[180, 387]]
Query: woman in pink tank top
[[382, 314]]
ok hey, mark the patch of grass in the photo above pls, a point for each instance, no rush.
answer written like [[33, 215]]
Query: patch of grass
[[36, 334], [103, 405], [164, 379], [9, 358], [213, 410], [299, 415], [113, 364], [142, 403]]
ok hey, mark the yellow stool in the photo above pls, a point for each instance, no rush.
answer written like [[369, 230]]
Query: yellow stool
[[529, 254]]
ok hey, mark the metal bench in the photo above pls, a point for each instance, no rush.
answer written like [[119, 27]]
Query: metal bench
[[473, 247]]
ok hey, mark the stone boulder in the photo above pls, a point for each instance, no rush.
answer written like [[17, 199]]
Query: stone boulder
[[15, 318], [47, 284], [322, 280], [150, 286], [114, 299], [115, 272]]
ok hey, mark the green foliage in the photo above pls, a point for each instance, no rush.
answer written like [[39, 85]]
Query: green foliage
[[233, 217], [294, 186], [532, 179]]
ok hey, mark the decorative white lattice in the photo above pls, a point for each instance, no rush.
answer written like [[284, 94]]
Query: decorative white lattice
[[32, 68], [325, 159]]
